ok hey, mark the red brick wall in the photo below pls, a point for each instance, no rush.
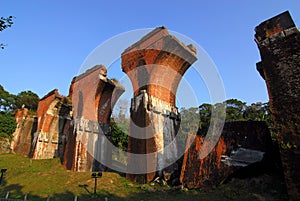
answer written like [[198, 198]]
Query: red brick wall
[[85, 93], [43, 106]]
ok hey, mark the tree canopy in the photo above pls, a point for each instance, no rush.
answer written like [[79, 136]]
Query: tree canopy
[[196, 120], [236, 110], [27, 99], [7, 125], [10, 102], [7, 100], [5, 22]]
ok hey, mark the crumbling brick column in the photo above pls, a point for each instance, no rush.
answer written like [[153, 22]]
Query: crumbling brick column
[[242, 144], [155, 65], [93, 97], [49, 141], [278, 41], [22, 137]]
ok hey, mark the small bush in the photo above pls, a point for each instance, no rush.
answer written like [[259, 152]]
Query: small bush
[[7, 125]]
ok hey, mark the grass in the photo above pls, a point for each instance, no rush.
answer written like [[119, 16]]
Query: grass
[[40, 178]]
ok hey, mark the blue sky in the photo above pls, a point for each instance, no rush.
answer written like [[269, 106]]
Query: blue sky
[[50, 40]]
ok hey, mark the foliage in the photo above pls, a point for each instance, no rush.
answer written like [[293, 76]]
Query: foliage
[[205, 115], [118, 136], [120, 125], [197, 120], [10, 102], [189, 120], [7, 100], [4, 24], [27, 99], [189, 124], [261, 112], [7, 125], [257, 111], [234, 110]]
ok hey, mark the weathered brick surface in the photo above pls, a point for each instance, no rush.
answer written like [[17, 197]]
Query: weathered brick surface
[[93, 97], [52, 114], [43, 106], [78, 138], [23, 135], [69, 149], [280, 67], [158, 129], [155, 65], [20, 114], [241, 144]]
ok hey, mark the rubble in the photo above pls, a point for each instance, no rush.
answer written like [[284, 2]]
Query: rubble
[[242, 143]]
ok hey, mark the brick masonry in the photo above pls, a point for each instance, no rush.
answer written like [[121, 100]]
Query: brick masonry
[[155, 65], [23, 135], [278, 41], [242, 143], [93, 97], [73, 132], [53, 112]]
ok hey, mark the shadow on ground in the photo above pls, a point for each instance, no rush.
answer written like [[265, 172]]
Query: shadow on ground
[[262, 188]]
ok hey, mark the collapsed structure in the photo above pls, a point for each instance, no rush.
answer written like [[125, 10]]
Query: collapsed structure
[[278, 40], [53, 121], [74, 135], [243, 144], [78, 133], [93, 97], [23, 135]]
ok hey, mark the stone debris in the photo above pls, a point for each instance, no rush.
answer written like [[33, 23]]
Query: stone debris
[[242, 157], [242, 143]]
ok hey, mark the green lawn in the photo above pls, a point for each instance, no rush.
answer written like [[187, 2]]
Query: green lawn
[[40, 178]]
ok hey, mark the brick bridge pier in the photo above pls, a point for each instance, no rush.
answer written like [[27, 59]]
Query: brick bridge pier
[[155, 65]]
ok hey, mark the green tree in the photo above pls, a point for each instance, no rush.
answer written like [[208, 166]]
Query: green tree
[[189, 120], [7, 125], [261, 112], [119, 137], [235, 109], [7, 100], [256, 112], [205, 115], [28, 99], [10, 102], [5, 22], [120, 124]]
